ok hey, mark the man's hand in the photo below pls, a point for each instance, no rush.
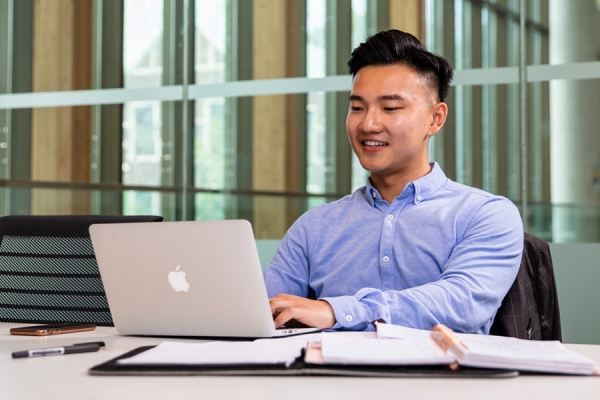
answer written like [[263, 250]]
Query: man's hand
[[314, 313]]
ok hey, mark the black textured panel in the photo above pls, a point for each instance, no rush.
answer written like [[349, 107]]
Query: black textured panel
[[31, 265], [102, 318], [63, 225], [46, 245], [27, 299], [54, 283], [48, 270]]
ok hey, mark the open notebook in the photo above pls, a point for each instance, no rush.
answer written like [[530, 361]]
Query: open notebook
[[440, 352]]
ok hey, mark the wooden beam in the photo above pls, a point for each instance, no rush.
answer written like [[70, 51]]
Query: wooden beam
[[275, 129], [407, 16], [60, 145]]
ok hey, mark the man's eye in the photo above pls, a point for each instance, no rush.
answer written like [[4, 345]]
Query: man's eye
[[353, 108], [391, 108]]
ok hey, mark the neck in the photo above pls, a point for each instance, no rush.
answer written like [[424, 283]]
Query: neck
[[391, 186]]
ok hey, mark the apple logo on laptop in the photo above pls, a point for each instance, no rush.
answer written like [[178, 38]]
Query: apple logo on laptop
[[177, 280]]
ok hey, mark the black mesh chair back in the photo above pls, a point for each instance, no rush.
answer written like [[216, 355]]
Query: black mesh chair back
[[530, 309], [48, 270]]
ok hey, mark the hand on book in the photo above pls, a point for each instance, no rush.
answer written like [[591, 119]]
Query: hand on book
[[313, 313]]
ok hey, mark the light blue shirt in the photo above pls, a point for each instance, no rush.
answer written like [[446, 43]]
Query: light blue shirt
[[442, 252]]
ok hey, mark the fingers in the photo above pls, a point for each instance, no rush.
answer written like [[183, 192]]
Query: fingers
[[281, 308], [314, 313], [283, 317], [282, 301]]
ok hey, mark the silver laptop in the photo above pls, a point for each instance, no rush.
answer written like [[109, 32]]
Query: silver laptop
[[196, 278]]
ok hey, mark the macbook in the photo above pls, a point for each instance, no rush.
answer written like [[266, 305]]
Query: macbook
[[190, 278]]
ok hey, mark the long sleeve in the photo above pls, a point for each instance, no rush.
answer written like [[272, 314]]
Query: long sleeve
[[441, 252], [466, 296], [288, 272]]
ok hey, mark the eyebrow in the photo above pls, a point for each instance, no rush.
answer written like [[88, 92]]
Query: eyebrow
[[379, 98]]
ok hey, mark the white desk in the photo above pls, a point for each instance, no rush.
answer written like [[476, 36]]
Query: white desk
[[65, 377]]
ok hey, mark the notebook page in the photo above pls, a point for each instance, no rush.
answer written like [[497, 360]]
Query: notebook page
[[219, 353], [362, 351], [524, 355], [389, 331]]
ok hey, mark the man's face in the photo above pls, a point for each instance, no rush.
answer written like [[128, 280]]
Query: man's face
[[393, 112]]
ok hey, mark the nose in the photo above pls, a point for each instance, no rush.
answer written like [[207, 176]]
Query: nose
[[371, 122]]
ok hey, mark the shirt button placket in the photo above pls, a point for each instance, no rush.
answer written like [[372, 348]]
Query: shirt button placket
[[386, 249]]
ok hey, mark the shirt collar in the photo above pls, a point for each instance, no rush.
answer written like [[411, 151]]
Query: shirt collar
[[423, 187]]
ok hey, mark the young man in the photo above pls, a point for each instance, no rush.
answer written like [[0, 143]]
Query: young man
[[412, 247]]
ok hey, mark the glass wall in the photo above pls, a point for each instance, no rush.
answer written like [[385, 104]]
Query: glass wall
[[225, 109]]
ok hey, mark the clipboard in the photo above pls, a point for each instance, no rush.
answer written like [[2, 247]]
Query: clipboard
[[298, 368]]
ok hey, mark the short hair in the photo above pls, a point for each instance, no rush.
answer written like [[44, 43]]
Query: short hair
[[395, 47]]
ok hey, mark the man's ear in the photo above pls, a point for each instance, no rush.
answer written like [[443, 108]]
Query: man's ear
[[439, 115]]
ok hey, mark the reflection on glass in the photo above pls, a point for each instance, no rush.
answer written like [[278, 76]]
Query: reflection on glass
[[141, 143], [209, 122], [142, 43], [315, 143], [359, 35], [359, 22], [210, 206], [316, 117], [315, 38], [315, 102], [141, 203], [209, 144], [210, 41], [142, 120]]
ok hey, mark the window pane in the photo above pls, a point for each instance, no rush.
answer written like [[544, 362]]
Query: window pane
[[142, 43], [211, 41], [142, 120]]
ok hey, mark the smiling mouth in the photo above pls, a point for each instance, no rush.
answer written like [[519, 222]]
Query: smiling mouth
[[373, 143]]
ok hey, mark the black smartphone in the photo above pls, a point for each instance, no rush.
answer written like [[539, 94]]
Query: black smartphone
[[52, 329]]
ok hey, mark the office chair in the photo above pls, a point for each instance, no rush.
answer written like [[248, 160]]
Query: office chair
[[530, 308], [48, 270]]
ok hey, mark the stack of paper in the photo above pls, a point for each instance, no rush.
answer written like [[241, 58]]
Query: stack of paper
[[219, 353], [524, 355], [487, 351], [361, 351]]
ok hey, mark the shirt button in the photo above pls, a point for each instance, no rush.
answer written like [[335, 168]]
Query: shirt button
[[386, 259], [349, 318], [374, 194], [419, 198], [390, 216]]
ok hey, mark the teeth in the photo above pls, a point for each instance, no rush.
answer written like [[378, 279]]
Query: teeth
[[373, 143]]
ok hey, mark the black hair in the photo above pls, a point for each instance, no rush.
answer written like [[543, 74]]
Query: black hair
[[395, 47]]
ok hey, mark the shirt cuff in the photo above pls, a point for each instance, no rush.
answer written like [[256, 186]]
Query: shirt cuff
[[349, 313]]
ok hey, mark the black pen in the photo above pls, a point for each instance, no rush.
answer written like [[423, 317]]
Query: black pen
[[76, 348]]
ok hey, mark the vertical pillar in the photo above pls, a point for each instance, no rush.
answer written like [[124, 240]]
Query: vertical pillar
[[574, 123], [337, 51], [489, 104], [378, 16], [296, 114], [6, 29], [407, 16], [172, 164], [20, 119], [110, 157], [269, 130], [60, 147], [275, 152], [239, 114], [434, 23]]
